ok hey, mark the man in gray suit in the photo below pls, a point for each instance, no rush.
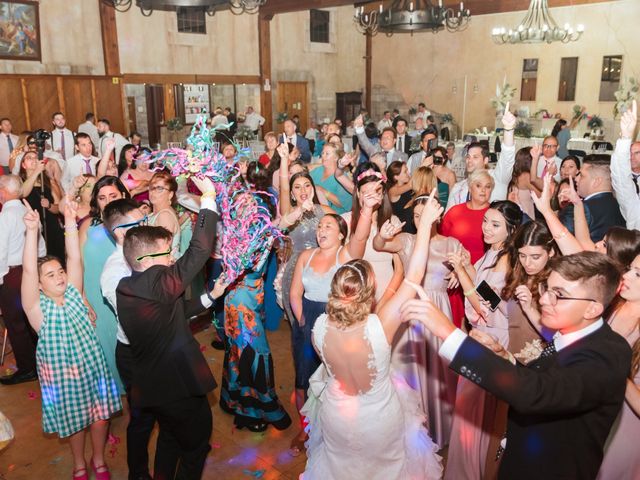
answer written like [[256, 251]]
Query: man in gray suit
[[387, 142]]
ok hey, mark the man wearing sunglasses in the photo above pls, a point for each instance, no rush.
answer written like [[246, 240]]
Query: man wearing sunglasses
[[564, 403], [170, 376]]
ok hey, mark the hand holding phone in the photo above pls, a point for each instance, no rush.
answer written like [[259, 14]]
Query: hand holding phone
[[487, 293]]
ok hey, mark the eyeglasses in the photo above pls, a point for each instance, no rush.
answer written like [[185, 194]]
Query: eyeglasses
[[554, 297], [158, 189], [549, 146], [154, 255], [143, 221]]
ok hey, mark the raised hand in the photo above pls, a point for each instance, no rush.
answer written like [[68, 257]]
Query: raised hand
[[425, 312], [543, 202], [524, 296], [508, 119], [431, 211], [219, 287], [373, 197], [359, 121], [490, 342], [307, 205], [110, 143], [536, 150], [390, 229], [70, 210], [205, 185], [572, 194], [347, 159], [31, 218], [629, 120], [283, 149]]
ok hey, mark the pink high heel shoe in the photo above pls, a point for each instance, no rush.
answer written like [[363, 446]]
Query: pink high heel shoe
[[102, 475]]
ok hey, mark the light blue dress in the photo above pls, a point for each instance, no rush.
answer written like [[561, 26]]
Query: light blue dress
[[98, 247]]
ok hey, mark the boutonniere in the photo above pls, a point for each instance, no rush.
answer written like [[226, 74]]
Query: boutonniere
[[530, 352]]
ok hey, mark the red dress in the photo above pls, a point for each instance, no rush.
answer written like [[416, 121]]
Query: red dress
[[465, 225]]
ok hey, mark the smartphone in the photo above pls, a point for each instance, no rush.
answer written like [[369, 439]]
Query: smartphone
[[487, 293]]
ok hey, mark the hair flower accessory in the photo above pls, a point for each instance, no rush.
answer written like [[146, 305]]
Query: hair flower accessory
[[371, 173]]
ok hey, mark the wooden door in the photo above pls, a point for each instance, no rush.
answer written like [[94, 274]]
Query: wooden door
[[155, 112], [293, 100], [348, 105], [131, 110]]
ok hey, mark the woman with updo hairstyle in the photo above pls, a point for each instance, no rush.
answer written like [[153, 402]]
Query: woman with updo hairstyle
[[310, 290], [355, 394]]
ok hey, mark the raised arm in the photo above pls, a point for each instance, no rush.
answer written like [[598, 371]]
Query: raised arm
[[621, 176], [580, 219], [387, 239], [110, 146], [390, 312], [504, 168], [358, 241], [534, 179], [27, 185], [29, 291], [348, 159], [72, 245], [567, 243], [285, 193], [364, 142]]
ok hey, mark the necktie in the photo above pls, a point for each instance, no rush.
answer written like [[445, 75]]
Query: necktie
[[87, 166], [64, 156], [549, 349], [635, 182], [9, 143]]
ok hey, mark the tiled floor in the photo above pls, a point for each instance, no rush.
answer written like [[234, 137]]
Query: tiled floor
[[236, 454]]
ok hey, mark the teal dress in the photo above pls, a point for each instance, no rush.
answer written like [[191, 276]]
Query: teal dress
[[98, 247], [331, 185], [248, 384], [77, 386]]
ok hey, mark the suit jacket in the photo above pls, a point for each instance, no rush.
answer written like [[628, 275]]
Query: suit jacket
[[370, 149], [303, 146], [561, 407], [168, 363], [602, 212], [407, 144]]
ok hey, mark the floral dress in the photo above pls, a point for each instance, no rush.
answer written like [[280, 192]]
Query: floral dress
[[77, 386], [248, 384]]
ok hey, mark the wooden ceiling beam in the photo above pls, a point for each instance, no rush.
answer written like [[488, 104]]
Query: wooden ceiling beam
[[477, 7]]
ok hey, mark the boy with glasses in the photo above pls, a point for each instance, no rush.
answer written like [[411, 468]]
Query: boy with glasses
[[564, 403]]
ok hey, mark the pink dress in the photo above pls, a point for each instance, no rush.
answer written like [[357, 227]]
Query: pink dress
[[415, 349], [621, 455], [475, 409], [381, 262]]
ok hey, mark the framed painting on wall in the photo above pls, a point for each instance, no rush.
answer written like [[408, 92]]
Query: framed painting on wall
[[19, 30]]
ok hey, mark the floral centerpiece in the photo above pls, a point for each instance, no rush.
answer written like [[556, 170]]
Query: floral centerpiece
[[595, 122], [447, 118], [281, 117], [504, 94], [523, 129], [627, 91], [174, 130]]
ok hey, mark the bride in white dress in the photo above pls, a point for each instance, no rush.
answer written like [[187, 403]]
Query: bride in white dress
[[364, 421]]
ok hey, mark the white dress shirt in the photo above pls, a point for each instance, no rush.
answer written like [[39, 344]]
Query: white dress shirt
[[384, 123], [542, 163], [4, 148], [69, 142], [76, 166], [415, 161], [254, 121], [218, 120], [101, 147], [501, 176], [452, 343], [115, 269], [90, 129], [622, 181], [12, 233]]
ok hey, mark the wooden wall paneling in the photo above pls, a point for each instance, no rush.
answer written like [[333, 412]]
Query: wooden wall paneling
[[25, 102], [264, 52], [42, 96], [60, 90], [94, 103], [368, 76], [169, 102], [77, 100], [12, 104], [109, 103], [109, 38]]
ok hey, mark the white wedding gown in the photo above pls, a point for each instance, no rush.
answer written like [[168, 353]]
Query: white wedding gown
[[364, 422]]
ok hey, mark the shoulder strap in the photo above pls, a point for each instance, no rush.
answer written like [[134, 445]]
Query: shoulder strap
[[306, 265]]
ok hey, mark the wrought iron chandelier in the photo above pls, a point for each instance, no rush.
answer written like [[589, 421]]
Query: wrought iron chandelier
[[404, 16], [210, 6], [538, 26]]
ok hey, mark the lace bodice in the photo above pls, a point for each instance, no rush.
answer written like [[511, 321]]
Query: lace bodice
[[357, 358]]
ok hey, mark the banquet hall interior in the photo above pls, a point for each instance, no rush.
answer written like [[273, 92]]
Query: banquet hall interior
[[150, 71]]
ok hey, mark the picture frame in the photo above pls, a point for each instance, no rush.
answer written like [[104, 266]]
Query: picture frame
[[20, 30]]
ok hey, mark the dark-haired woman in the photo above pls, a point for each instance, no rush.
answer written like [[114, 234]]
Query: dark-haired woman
[[43, 197], [97, 245], [400, 192], [311, 283], [135, 176], [475, 409]]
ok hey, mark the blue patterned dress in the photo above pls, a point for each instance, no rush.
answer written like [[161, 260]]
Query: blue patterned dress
[[77, 386], [248, 384]]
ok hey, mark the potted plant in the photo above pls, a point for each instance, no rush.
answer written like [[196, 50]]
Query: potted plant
[[595, 124], [174, 130], [281, 117], [523, 129], [412, 113], [627, 91], [504, 94]]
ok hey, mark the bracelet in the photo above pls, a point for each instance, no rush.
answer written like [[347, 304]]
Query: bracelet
[[211, 194], [208, 293], [470, 292], [561, 235], [508, 129], [70, 232]]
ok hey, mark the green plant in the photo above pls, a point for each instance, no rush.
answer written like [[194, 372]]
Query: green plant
[[281, 117], [413, 110], [523, 129], [245, 133], [595, 122], [627, 91], [578, 112], [504, 94], [175, 124], [447, 118]]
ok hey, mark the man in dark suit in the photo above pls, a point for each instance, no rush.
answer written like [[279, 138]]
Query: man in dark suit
[[600, 206], [170, 375], [563, 404], [403, 139], [297, 140]]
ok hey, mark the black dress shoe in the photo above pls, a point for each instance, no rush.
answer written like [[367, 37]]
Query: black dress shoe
[[254, 427], [19, 377], [217, 344]]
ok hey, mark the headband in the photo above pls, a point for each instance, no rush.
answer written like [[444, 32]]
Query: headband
[[371, 173], [353, 267]]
